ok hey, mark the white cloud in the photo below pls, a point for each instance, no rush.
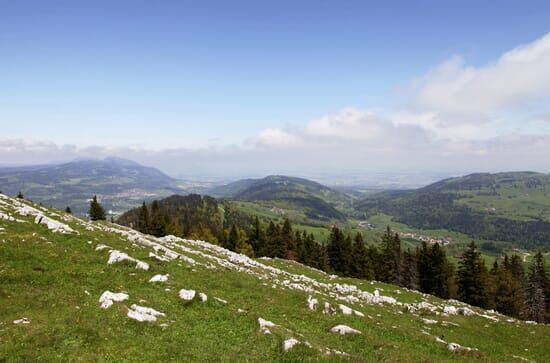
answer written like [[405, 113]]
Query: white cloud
[[520, 76], [454, 123]]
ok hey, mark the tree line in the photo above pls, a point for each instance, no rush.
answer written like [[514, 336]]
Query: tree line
[[506, 287]]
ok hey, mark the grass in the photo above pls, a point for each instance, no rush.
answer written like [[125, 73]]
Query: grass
[[55, 280]]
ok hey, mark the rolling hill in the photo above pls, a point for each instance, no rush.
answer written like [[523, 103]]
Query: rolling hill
[[513, 207], [74, 290], [317, 201], [120, 184]]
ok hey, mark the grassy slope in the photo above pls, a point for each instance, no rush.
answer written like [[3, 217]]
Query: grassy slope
[[45, 277]]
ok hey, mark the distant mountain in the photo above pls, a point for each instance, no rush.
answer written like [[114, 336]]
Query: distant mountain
[[120, 184], [512, 206], [316, 200]]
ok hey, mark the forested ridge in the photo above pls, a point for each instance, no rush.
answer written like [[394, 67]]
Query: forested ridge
[[506, 287]]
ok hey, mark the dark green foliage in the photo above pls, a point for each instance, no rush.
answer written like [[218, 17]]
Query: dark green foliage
[[472, 278], [390, 249], [96, 211], [361, 266], [144, 222], [435, 272], [538, 291], [68, 210], [410, 270], [20, 195]]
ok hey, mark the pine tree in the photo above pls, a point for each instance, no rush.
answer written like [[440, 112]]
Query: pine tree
[[472, 278], [390, 268], [159, 220], [144, 223], [232, 238], [409, 276], [257, 240], [537, 290], [442, 272], [68, 210], [20, 195], [96, 212], [361, 266], [334, 250]]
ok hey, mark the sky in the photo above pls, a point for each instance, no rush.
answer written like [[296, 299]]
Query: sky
[[241, 87]]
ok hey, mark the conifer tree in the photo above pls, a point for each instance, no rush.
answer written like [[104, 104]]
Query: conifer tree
[[159, 220], [537, 290], [361, 266], [96, 212], [409, 276], [391, 257], [144, 223], [334, 250], [472, 278], [68, 210], [20, 195], [232, 238], [442, 272]]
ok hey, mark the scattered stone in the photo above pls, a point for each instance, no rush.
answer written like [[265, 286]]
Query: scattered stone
[[345, 310], [22, 321], [343, 330], [289, 344], [328, 310], [429, 321], [187, 295], [101, 247], [142, 313], [159, 278], [312, 303], [220, 300], [108, 298], [203, 297]]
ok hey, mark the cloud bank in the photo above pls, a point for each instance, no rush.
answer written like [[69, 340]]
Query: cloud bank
[[460, 118]]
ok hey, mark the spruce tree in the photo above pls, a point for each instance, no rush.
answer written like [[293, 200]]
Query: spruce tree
[[361, 266], [409, 276], [232, 238], [68, 210], [472, 278], [96, 211], [537, 290], [144, 223], [20, 195], [334, 250]]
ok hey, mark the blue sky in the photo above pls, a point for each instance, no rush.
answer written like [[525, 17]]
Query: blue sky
[[188, 75]]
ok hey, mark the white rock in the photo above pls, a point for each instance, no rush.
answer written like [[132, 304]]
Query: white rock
[[22, 321], [265, 323], [358, 313], [290, 343], [220, 300], [312, 303], [450, 310], [187, 295], [343, 330], [142, 265], [429, 321], [107, 298], [101, 247], [328, 310], [466, 311], [453, 347], [345, 310], [159, 278], [142, 313], [203, 297]]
